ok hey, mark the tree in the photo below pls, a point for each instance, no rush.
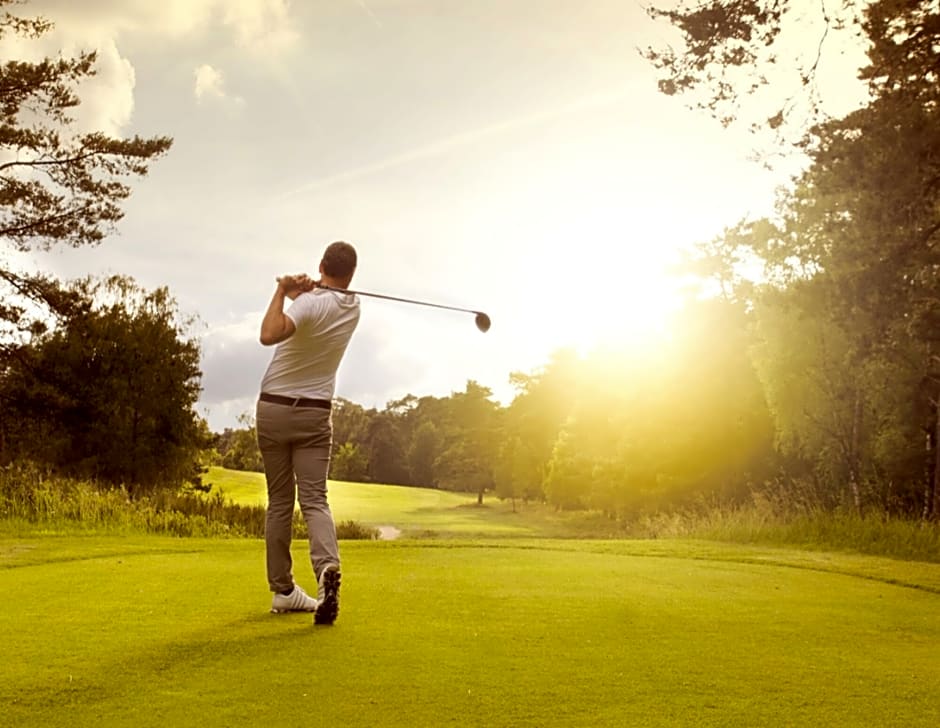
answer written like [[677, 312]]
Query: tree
[[470, 443], [568, 477], [349, 464], [111, 393], [855, 240], [350, 424], [57, 186], [731, 52], [424, 450], [543, 402], [387, 450], [239, 448]]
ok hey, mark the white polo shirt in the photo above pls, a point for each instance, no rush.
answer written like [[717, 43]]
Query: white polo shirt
[[305, 364]]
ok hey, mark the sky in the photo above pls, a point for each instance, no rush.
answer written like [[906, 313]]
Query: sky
[[508, 156]]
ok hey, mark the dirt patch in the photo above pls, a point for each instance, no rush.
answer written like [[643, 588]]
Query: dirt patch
[[389, 533]]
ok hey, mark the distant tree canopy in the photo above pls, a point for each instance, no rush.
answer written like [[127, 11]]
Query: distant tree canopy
[[110, 393], [238, 447], [447, 442], [57, 185]]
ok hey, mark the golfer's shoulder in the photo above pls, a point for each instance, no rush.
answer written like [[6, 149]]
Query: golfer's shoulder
[[318, 304], [314, 299], [304, 307]]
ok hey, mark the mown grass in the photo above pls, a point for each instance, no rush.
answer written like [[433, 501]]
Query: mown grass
[[154, 631], [415, 511], [128, 629]]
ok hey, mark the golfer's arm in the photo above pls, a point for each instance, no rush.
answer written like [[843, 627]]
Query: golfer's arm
[[276, 326]]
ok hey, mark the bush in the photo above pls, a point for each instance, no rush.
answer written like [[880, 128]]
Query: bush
[[355, 531]]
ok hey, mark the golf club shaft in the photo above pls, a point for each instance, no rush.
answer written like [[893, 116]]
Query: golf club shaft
[[394, 298]]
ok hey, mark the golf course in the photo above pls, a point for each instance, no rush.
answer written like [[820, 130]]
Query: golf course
[[387, 364], [482, 624]]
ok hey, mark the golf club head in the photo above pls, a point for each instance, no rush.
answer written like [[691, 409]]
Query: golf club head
[[482, 321]]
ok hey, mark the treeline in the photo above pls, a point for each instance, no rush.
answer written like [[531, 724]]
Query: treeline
[[731, 405], [438, 442]]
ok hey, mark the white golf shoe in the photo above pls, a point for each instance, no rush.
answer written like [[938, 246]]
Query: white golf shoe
[[297, 601]]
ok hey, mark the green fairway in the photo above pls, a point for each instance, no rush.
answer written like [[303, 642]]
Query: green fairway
[[148, 631], [410, 510]]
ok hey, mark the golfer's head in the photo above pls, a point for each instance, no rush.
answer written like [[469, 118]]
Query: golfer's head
[[339, 263]]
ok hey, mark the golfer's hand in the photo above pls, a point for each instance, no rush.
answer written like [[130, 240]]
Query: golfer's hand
[[294, 285]]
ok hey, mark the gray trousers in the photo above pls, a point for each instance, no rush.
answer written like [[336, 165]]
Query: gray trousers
[[295, 446]]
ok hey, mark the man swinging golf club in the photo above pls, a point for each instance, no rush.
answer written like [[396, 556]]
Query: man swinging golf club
[[295, 428]]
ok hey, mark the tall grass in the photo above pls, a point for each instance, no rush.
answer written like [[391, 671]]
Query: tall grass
[[761, 523], [31, 497]]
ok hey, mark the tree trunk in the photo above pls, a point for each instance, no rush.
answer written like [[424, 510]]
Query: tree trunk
[[931, 491], [854, 453], [935, 476]]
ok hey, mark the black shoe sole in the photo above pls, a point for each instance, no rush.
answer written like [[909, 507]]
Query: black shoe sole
[[328, 609]]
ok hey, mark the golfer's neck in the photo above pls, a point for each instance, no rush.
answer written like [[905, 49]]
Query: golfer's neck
[[335, 282]]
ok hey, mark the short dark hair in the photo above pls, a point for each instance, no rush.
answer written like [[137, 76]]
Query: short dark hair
[[339, 260]]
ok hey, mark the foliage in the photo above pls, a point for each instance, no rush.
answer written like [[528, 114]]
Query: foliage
[[533, 422], [470, 441], [238, 448], [349, 463], [110, 393], [422, 453], [848, 306], [355, 531], [386, 449], [57, 185], [656, 428]]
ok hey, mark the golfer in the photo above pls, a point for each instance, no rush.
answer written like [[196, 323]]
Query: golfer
[[295, 429]]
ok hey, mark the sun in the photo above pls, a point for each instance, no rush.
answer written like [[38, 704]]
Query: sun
[[613, 288], [625, 306], [630, 306]]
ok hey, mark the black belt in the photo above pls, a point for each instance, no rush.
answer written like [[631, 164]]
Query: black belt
[[295, 401]]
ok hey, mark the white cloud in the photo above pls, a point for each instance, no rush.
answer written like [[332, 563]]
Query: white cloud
[[259, 26], [108, 96], [209, 82]]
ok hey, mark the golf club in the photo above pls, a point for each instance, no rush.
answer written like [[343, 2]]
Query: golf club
[[481, 319]]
